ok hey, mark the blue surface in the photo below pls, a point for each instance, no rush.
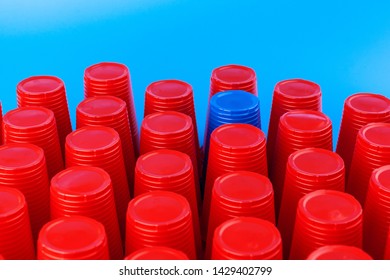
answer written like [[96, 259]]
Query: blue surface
[[344, 46]]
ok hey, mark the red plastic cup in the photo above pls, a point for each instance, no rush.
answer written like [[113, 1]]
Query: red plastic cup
[[238, 194], [293, 94], [247, 238], [16, 242], [387, 250], [233, 77], [170, 130], [160, 218], [87, 191], [110, 78], [326, 217], [48, 92], [169, 170], [23, 167], [233, 147], [372, 150], [377, 213], [297, 130], [110, 111], [73, 238], [172, 95], [307, 170], [359, 109], [101, 147], [35, 125], [339, 252], [157, 253]]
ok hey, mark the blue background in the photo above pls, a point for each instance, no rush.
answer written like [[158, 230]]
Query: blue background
[[342, 45]]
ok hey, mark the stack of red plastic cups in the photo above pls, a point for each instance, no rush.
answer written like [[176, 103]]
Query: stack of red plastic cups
[[372, 150], [359, 110], [297, 130], [170, 130], [377, 213], [101, 147], [236, 194], [87, 191], [247, 238], [23, 166], [110, 111], [233, 147], [169, 170], [110, 78], [307, 170], [16, 242], [326, 217], [339, 252], [293, 94], [48, 92], [233, 77], [172, 95], [157, 253], [73, 238], [35, 125], [160, 218]]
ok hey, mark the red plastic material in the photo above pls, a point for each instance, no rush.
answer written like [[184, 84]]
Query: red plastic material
[[293, 94], [372, 150], [172, 95], [1, 125], [307, 170], [1, 257], [160, 218], [297, 130], [170, 130], [110, 78], [339, 252], [101, 147], [233, 77], [87, 191], [157, 253], [377, 213], [233, 147], [35, 125], [387, 249], [110, 111], [16, 242], [72, 238], [359, 110], [237, 194], [326, 217], [169, 170], [247, 238], [23, 167], [48, 92]]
